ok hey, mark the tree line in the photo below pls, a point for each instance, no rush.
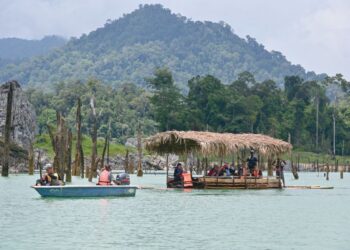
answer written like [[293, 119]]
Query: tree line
[[313, 115]]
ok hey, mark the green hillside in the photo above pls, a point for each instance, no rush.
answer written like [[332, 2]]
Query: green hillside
[[130, 48]]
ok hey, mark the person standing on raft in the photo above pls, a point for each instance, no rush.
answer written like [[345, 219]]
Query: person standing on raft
[[105, 177], [279, 169], [252, 162]]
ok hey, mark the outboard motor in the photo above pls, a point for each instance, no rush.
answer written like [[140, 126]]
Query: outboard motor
[[122, 179]]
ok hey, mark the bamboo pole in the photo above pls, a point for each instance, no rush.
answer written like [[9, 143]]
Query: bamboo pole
[[167, 170]]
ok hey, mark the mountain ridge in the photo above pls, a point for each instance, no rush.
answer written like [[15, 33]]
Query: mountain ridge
[[130, 48], [12, 48]]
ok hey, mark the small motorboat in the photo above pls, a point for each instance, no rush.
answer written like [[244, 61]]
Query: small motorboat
[[86, 191]]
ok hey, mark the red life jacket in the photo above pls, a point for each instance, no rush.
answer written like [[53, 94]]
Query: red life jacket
[[187, 179], [104, 178]]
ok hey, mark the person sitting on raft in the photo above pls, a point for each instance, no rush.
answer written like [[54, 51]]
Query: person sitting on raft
[[50, 178], [178, 172], [232, 170], [105, 177], [224, 170], [257, 172], [214, 171], [252, 162]]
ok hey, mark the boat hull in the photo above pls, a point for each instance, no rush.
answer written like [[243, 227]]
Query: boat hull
[[86, 191]]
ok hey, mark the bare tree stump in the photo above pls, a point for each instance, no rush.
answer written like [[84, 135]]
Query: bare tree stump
[[8, 126], [31, 161], [78, 168]]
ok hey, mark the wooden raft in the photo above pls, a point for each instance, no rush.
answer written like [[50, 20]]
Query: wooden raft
[[212, 182]]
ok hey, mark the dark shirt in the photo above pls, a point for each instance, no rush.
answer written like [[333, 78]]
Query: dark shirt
[[252, 162], [177, 173]]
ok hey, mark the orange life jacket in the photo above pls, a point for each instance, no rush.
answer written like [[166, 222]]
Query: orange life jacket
[[104, 178], [187, 179]]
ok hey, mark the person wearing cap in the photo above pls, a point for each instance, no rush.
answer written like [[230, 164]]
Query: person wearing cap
[[252, 162], [50, 178], [178, 172], [105, 177]]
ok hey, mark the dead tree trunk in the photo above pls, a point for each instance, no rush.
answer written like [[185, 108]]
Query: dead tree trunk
[[59, 141], [69, 157], [126, 167], [38, 164], [104, 151], [31, 160], [82, 163], [93, 167], [8, 128], [78, 146], [139, 151], [61, 146]]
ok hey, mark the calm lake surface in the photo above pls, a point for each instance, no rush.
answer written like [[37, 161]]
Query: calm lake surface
[[165, 219]]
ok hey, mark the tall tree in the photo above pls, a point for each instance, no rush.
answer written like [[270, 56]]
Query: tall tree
[[166, 100]]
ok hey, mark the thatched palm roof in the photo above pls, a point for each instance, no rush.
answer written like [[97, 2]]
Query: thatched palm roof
[[216, 144]]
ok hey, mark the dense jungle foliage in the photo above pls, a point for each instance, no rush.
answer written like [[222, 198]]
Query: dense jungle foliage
[[245, 105]]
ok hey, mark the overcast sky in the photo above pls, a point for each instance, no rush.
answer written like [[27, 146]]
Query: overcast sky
[[313, 33]]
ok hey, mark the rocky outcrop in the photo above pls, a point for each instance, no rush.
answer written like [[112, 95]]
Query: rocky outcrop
[[149, 162], [23, 118]]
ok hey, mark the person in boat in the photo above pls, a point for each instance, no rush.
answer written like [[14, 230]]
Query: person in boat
[[122, 179], [50, 178], [178, 172], [279, 163], [105, 177], [252, 162]]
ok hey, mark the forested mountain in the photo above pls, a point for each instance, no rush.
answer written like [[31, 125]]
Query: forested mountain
[[15, 48], [130, 48]]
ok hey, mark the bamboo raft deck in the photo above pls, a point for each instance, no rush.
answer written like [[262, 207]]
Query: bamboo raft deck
[[215, 182]]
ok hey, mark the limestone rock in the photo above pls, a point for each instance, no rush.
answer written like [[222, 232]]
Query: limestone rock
[[23, 118]]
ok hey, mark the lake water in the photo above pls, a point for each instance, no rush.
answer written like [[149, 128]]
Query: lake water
[[166, 219]]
